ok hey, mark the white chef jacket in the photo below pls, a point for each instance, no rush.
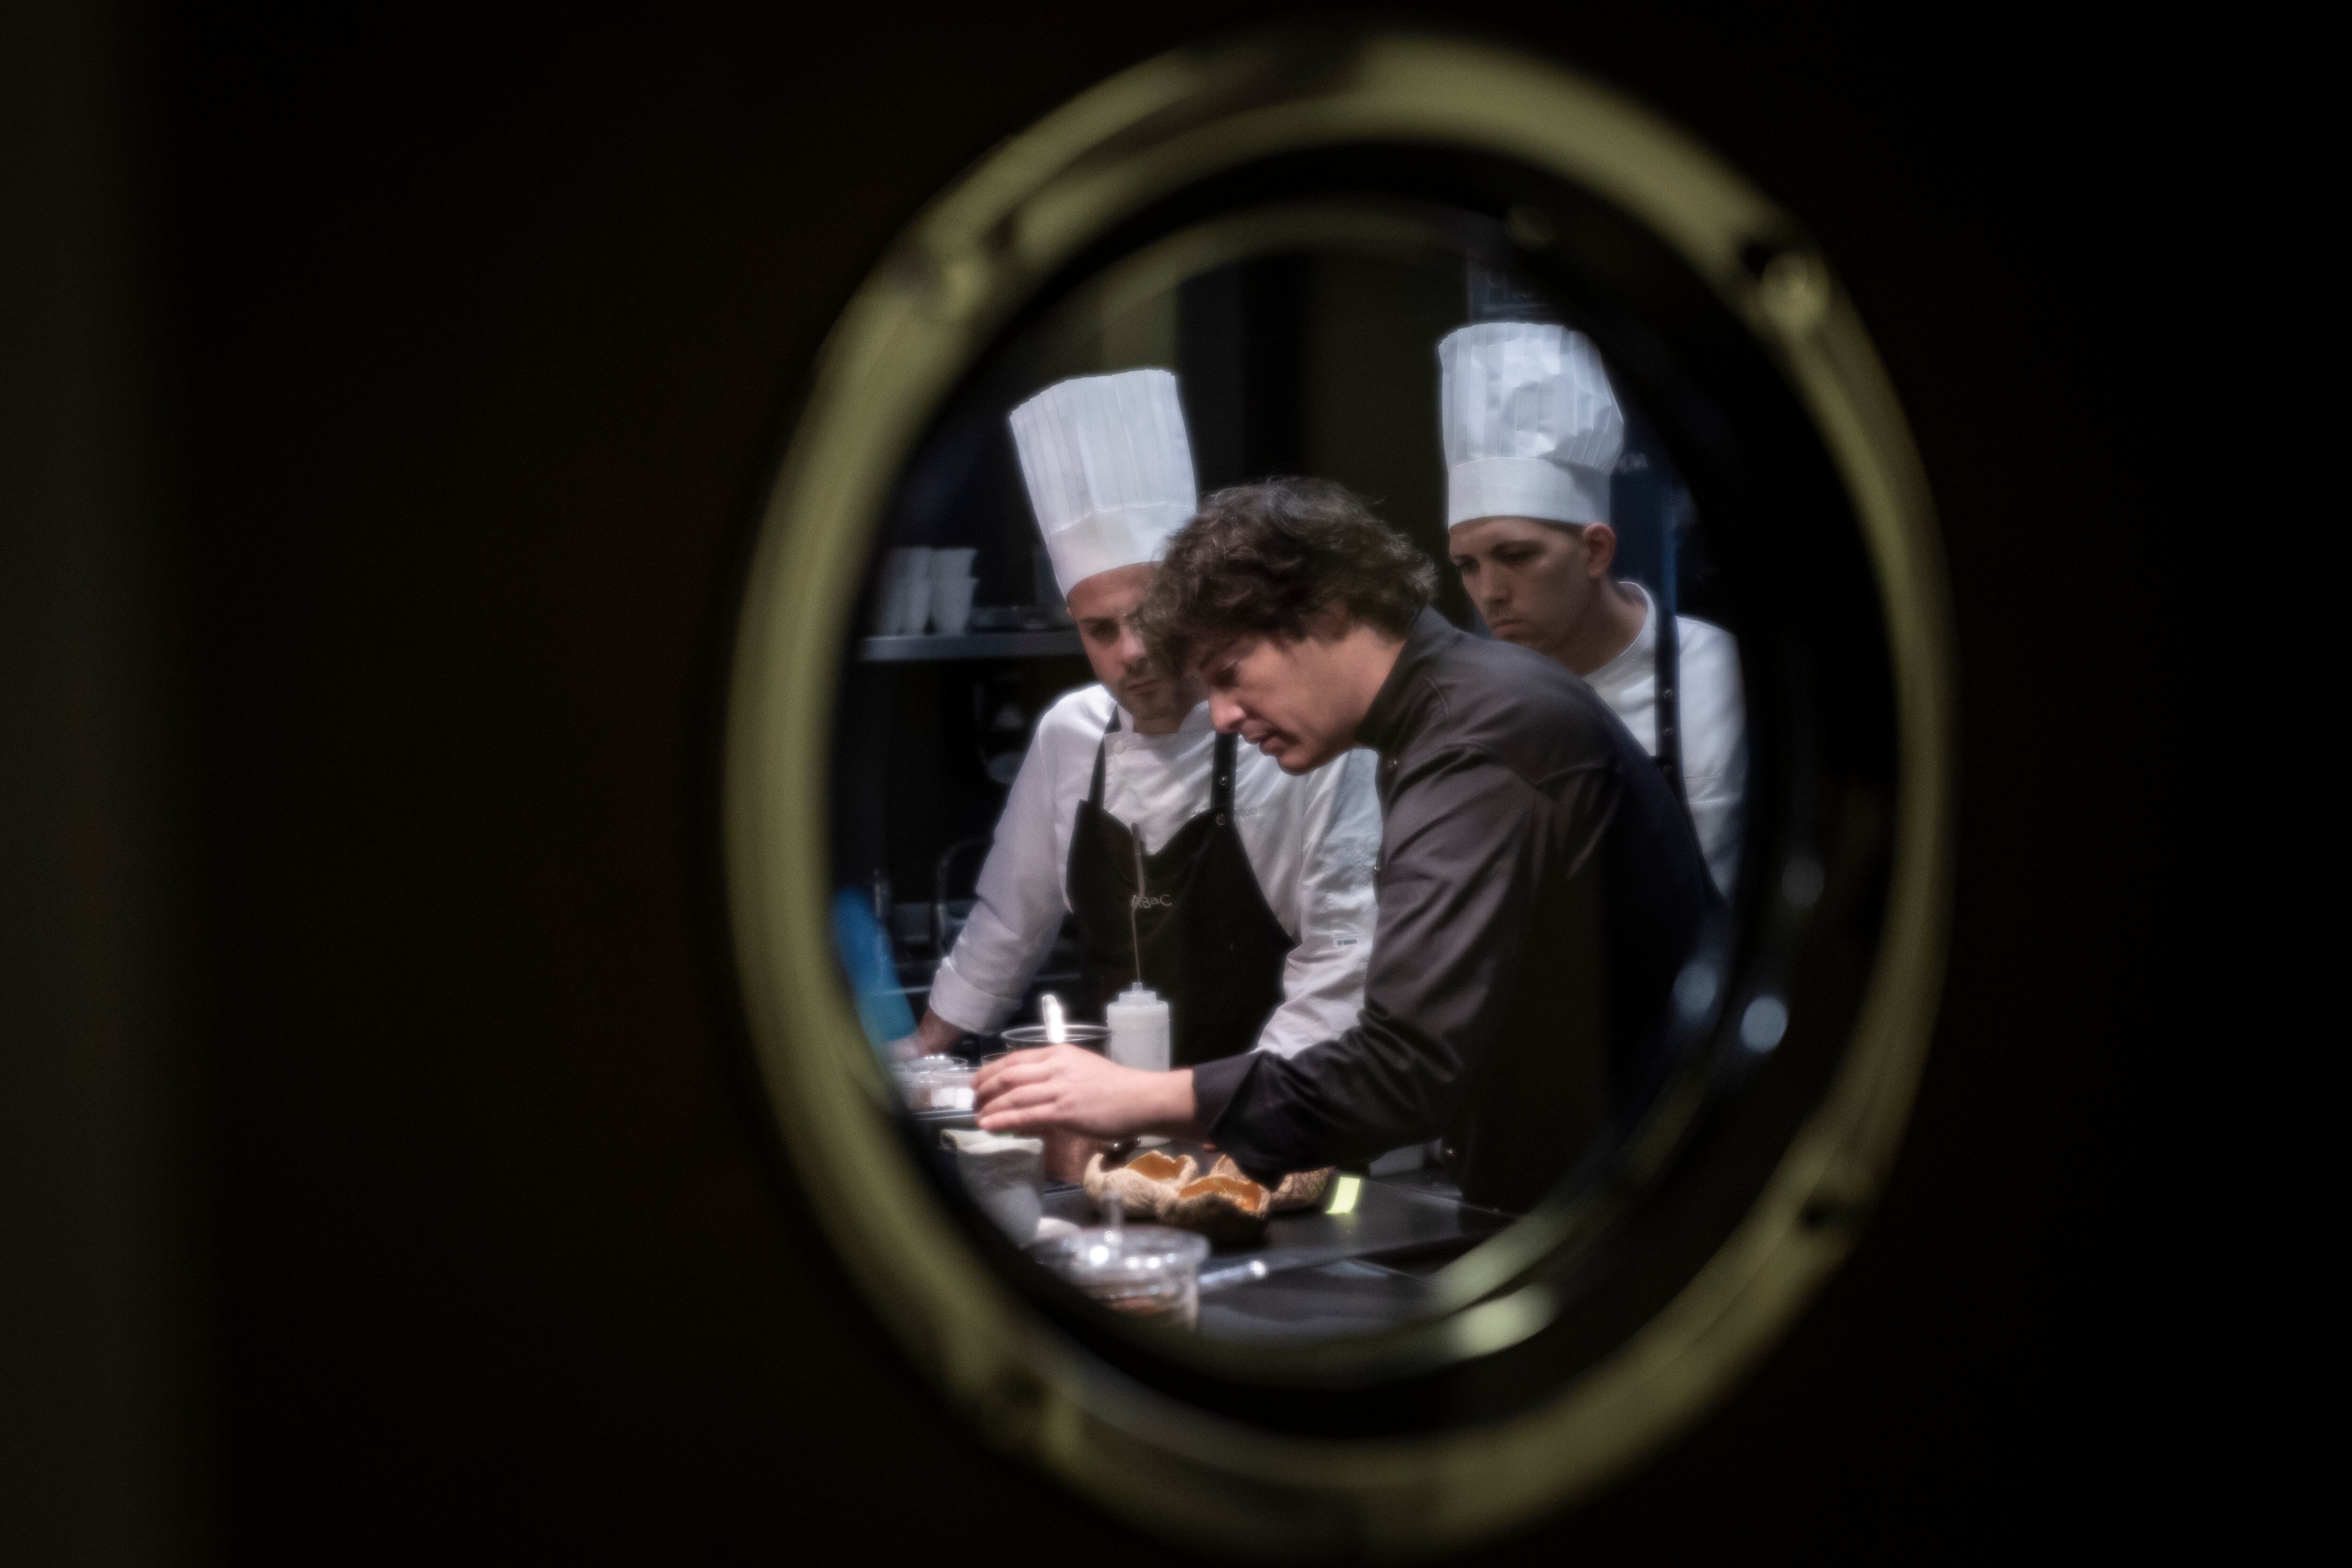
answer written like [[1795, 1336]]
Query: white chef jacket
[[1312, 841], [1714, 714]]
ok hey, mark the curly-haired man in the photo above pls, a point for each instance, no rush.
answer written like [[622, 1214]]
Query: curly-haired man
[[1539, 887]]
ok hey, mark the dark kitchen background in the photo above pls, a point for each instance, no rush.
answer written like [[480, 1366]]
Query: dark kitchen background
[[387, 399]]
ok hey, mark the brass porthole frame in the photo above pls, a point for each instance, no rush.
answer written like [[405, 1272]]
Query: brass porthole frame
[[930, 307]]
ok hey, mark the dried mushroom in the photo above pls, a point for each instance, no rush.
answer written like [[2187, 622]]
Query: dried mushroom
[[1302, 1189], [1298, 1189], [1225, 1208], [1154, 1166], [1140, 1185]]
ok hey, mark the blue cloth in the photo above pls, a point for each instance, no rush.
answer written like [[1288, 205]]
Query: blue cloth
[[865, 951]]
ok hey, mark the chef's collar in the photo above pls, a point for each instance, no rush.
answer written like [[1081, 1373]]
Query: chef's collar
[[1194, 722], [1637, 656], [1396, 710]]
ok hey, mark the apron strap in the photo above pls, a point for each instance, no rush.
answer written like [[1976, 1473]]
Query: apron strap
[[1094, 796], [1670, 716]]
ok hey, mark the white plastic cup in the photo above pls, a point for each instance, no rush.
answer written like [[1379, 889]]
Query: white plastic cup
[[910, 607], [1005, 1176], [955, 562], [913, 598], [951, 604], [889, 594]]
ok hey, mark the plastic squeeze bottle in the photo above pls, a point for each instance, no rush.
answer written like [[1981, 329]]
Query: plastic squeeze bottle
[[1139, 1021]]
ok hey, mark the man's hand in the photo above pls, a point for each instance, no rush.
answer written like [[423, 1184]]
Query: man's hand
[[933, 1036], [1070, 1088]]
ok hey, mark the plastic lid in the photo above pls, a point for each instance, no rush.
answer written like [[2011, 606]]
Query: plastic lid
[[1138, 995], [972, 1140], [1126, 1255], [1026, 1035]]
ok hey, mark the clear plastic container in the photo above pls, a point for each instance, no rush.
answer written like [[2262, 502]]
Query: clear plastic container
[[935, 1083], [1005, 1176], [1066, 1153], [1029, 1036], [1146, 1272]]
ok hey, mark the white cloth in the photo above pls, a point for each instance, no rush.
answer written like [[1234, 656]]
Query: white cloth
[[1312, 840], [1713, 710], [1530, 425], [1110, 470]]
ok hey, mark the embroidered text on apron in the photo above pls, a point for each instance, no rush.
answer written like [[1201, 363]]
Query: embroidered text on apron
[[1211, 945]]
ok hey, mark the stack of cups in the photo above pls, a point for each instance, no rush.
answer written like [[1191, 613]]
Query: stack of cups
[[952, 588], [922, 588], [906, 573]]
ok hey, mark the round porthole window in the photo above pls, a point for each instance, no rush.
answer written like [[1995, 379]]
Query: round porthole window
[[1337, 797]]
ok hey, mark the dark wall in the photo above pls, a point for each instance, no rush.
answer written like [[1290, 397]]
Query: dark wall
[[102, 1341], [1372, 332], [1241, 346], [481, 337]]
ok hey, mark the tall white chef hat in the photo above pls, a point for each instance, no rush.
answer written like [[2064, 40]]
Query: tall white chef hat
[[1530, 425], [1109, 470]]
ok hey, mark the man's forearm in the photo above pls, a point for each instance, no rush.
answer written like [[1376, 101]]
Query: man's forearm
[[1071, 1088], [1138, 1104], [1016, 913], [1168, 1106], [937, 1034]]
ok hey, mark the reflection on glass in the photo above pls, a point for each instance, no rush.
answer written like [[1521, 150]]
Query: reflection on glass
[[1253, 927]]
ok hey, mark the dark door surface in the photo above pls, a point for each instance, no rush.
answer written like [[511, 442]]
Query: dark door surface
[[471, 344]]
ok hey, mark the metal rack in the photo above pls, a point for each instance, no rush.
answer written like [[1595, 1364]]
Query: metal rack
[[1050, 643]]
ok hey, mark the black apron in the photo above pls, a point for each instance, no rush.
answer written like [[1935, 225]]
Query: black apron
[[1212, 948], [1670, 712]]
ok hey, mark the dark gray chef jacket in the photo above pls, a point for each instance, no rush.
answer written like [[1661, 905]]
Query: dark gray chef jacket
[[1540, 889]]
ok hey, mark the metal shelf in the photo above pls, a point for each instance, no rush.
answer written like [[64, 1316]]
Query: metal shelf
[[1055, 644]]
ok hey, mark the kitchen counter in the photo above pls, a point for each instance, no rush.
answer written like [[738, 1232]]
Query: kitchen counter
[[1357, 1263]]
